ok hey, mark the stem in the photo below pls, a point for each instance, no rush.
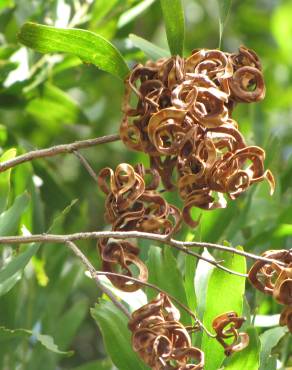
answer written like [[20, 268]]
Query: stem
[[86, 165], [55, 238], [58, 149], [94, 273], [154, 287], [94, 276]]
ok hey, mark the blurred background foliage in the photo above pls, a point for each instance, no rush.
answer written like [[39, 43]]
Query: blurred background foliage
[[51, 99]]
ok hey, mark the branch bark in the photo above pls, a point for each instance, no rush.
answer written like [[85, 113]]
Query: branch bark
[[58, 149], [55, 238]]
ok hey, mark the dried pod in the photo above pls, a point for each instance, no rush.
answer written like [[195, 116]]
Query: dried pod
[[132, 205], [263, 275], [286, 318], [179, 112], [160, 339], [225, 326]]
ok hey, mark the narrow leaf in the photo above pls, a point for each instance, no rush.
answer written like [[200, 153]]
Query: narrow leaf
[[5, 179], [9, 220], [174, 23], [224, 293], [134, 12], [224, 9], [45, 340], [10, 274], [152, 51], [116, 336], [88, 46]]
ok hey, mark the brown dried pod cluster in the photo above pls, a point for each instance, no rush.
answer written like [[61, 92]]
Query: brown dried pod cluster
[[275, 279], [161, 340], [226, 327], [132, 205], [179, 112]]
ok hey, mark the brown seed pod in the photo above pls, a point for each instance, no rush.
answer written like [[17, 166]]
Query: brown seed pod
[[160, 339], [179, 112], [132, 205], [269, 278], [286, 318], [225, 326]]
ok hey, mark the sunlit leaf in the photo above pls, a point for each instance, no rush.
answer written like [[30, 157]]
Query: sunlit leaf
[[152, 51], [88, 46], [224, 293], [116, 335], [174, 23]]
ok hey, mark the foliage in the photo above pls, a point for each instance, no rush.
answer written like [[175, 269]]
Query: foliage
[[47, 303]]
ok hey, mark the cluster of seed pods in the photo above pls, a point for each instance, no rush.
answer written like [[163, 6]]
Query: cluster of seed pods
[[276, 280], [179, 111], [132, 205]]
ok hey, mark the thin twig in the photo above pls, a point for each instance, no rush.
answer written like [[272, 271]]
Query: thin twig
[[58, 149], [86, 165], [94, 276], [154, 287], [53, 238]]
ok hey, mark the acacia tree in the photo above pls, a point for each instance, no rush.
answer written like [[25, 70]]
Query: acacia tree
[[178, 110]]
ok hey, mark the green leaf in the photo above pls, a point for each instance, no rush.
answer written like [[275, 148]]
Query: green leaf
[[10, 274], [174, 23], [6, 4], [45, 340], [152, 51], [88, 46], [269, 339], [116, 336], [224, 293], [224, 9], [249, 357], [163, 272], [9, 219], [5, 179], [134, 12], [100, 9], [95, 365], [70, 322], [53, 107]]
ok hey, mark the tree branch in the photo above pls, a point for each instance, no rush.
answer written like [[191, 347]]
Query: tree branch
[[94, 276], [58, 149], [53, 238]]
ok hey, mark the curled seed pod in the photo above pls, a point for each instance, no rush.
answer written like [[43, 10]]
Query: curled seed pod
[[283, 285], [286, 318], [263, 275], [225, 326], [132, 205], [160, 339], [179, 112]]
